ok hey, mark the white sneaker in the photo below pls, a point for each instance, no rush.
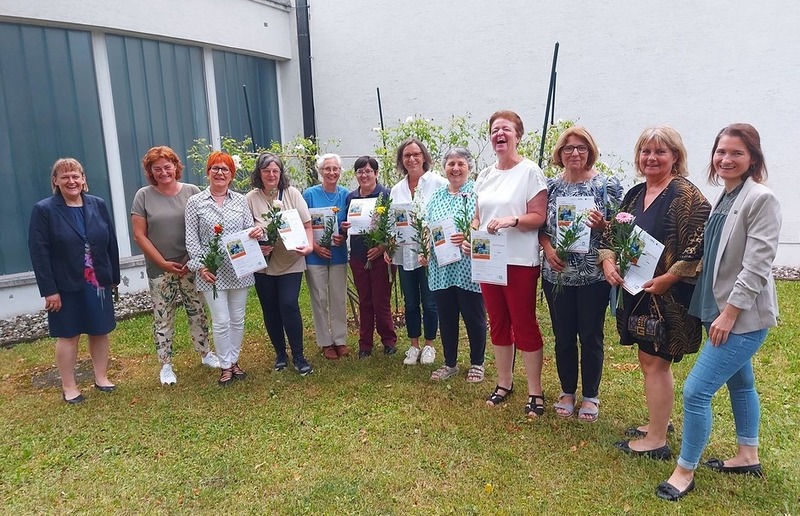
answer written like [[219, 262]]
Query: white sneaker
[[412, 355], [167, 375], [428, 355], [211, 360]]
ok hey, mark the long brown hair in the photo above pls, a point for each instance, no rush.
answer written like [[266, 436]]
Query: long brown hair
[[751, 140]]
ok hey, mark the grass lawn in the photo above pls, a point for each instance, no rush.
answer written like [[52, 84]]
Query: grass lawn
[[369, 437]]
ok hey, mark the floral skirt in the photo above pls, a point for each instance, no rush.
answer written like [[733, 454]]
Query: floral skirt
[[81, 312]]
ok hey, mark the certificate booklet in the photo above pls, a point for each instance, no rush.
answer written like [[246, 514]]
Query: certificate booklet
[[489, 258], [401, 217], [568, 209], [360, 215], [320, 218], [292, 231], [644, 267], [244, 253], [446, 251]]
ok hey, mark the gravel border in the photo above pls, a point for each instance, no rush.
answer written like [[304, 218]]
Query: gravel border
[[31, 327]]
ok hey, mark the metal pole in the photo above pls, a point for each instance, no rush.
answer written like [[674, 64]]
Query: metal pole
[[249, 118], [380, 115], [550, 96]]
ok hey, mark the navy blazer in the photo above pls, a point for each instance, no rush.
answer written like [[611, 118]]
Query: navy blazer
[[57, 248]]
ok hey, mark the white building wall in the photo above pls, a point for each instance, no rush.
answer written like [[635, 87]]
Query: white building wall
[[622, 66]]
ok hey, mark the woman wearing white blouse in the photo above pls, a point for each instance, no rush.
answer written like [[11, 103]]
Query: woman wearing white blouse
[[414, 161], [512, 198]]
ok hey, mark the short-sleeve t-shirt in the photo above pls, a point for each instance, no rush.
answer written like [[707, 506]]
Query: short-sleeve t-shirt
[[316, 197], [281, 261], [503, 193], [166, 226]]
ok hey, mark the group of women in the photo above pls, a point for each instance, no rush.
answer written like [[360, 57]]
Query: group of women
[[714, 271]]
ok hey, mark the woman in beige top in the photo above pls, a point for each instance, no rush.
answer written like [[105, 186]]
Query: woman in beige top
[[278, 286]]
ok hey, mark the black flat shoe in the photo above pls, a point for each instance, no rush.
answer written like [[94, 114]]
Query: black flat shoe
[[635, 432], [663, 453], [105, 388], [720, 467], [667, 491], [73, 401]]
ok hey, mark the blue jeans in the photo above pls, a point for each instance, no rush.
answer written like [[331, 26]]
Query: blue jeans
[[414, 285], [731, 364]]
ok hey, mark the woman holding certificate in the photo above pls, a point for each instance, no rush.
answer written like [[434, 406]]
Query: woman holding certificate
[[414, 162], [736, 300], [326, 271], [278, 286], [512, 200], [673, 211], [450, 209], [372, 283], [210, 214], [572, 280]]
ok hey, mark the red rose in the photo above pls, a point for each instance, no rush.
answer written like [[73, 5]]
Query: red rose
[[218, 229]]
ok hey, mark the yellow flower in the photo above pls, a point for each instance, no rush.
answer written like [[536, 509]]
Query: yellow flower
[[335, 209], [381, 210]]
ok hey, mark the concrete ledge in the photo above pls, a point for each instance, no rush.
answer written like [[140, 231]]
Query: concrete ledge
[[19, 293]]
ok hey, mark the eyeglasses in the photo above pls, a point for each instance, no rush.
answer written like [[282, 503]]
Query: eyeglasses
[[415, 155], [364, 172], [217, 168], [582, 149]]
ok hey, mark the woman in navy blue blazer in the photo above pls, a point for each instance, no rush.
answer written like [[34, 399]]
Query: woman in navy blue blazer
[[75, 259]]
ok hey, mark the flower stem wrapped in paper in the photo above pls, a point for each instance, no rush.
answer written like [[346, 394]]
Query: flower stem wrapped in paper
[[626, 243], [326, 240], [462, 219], [422, 233], [381, 230], [565, 241], [274, 220], [212, 260]]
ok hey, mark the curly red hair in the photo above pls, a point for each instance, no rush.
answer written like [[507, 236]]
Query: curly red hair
[[155, 154]]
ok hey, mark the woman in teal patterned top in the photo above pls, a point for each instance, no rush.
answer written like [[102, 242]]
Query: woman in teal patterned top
[[453, 289], [575, 287]]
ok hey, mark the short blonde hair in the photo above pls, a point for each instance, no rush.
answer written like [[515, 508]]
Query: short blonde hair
[[67, 165], [668, 137], [584, 135]]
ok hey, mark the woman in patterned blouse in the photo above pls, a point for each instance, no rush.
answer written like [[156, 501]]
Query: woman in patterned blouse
[[673, 211], [215, 205], [576, 291], [452, 286]]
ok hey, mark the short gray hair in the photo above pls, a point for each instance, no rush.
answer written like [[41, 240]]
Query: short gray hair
[[329, 155], [459, 152]]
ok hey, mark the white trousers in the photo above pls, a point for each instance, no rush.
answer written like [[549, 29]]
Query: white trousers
[[227, 323], [327, 285]]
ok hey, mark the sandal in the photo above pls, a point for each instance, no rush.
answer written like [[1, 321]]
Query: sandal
[[226, 377], [589, 415], [475, 374], [443, 373], [238, 373], [533, 408], [496, 398], [566, 409]]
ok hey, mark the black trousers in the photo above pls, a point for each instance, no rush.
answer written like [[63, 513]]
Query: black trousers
[[455, 301], [578, 312], [278, 296]]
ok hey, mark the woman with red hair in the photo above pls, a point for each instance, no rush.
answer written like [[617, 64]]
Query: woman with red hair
[[157, 217], [219, 210]]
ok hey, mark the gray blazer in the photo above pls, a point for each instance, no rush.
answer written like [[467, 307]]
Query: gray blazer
[[747, 248]]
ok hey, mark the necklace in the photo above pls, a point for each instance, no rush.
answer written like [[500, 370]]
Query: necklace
[[333, 200]]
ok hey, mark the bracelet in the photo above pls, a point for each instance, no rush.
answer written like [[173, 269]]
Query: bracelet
[[516, 222]]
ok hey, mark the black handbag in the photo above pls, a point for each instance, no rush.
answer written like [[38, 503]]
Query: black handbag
[[648, 327]]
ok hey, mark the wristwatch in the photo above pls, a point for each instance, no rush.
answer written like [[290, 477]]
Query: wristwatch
[[516, 221]]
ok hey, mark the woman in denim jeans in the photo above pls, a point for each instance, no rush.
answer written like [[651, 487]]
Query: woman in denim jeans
[[736, 300]]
